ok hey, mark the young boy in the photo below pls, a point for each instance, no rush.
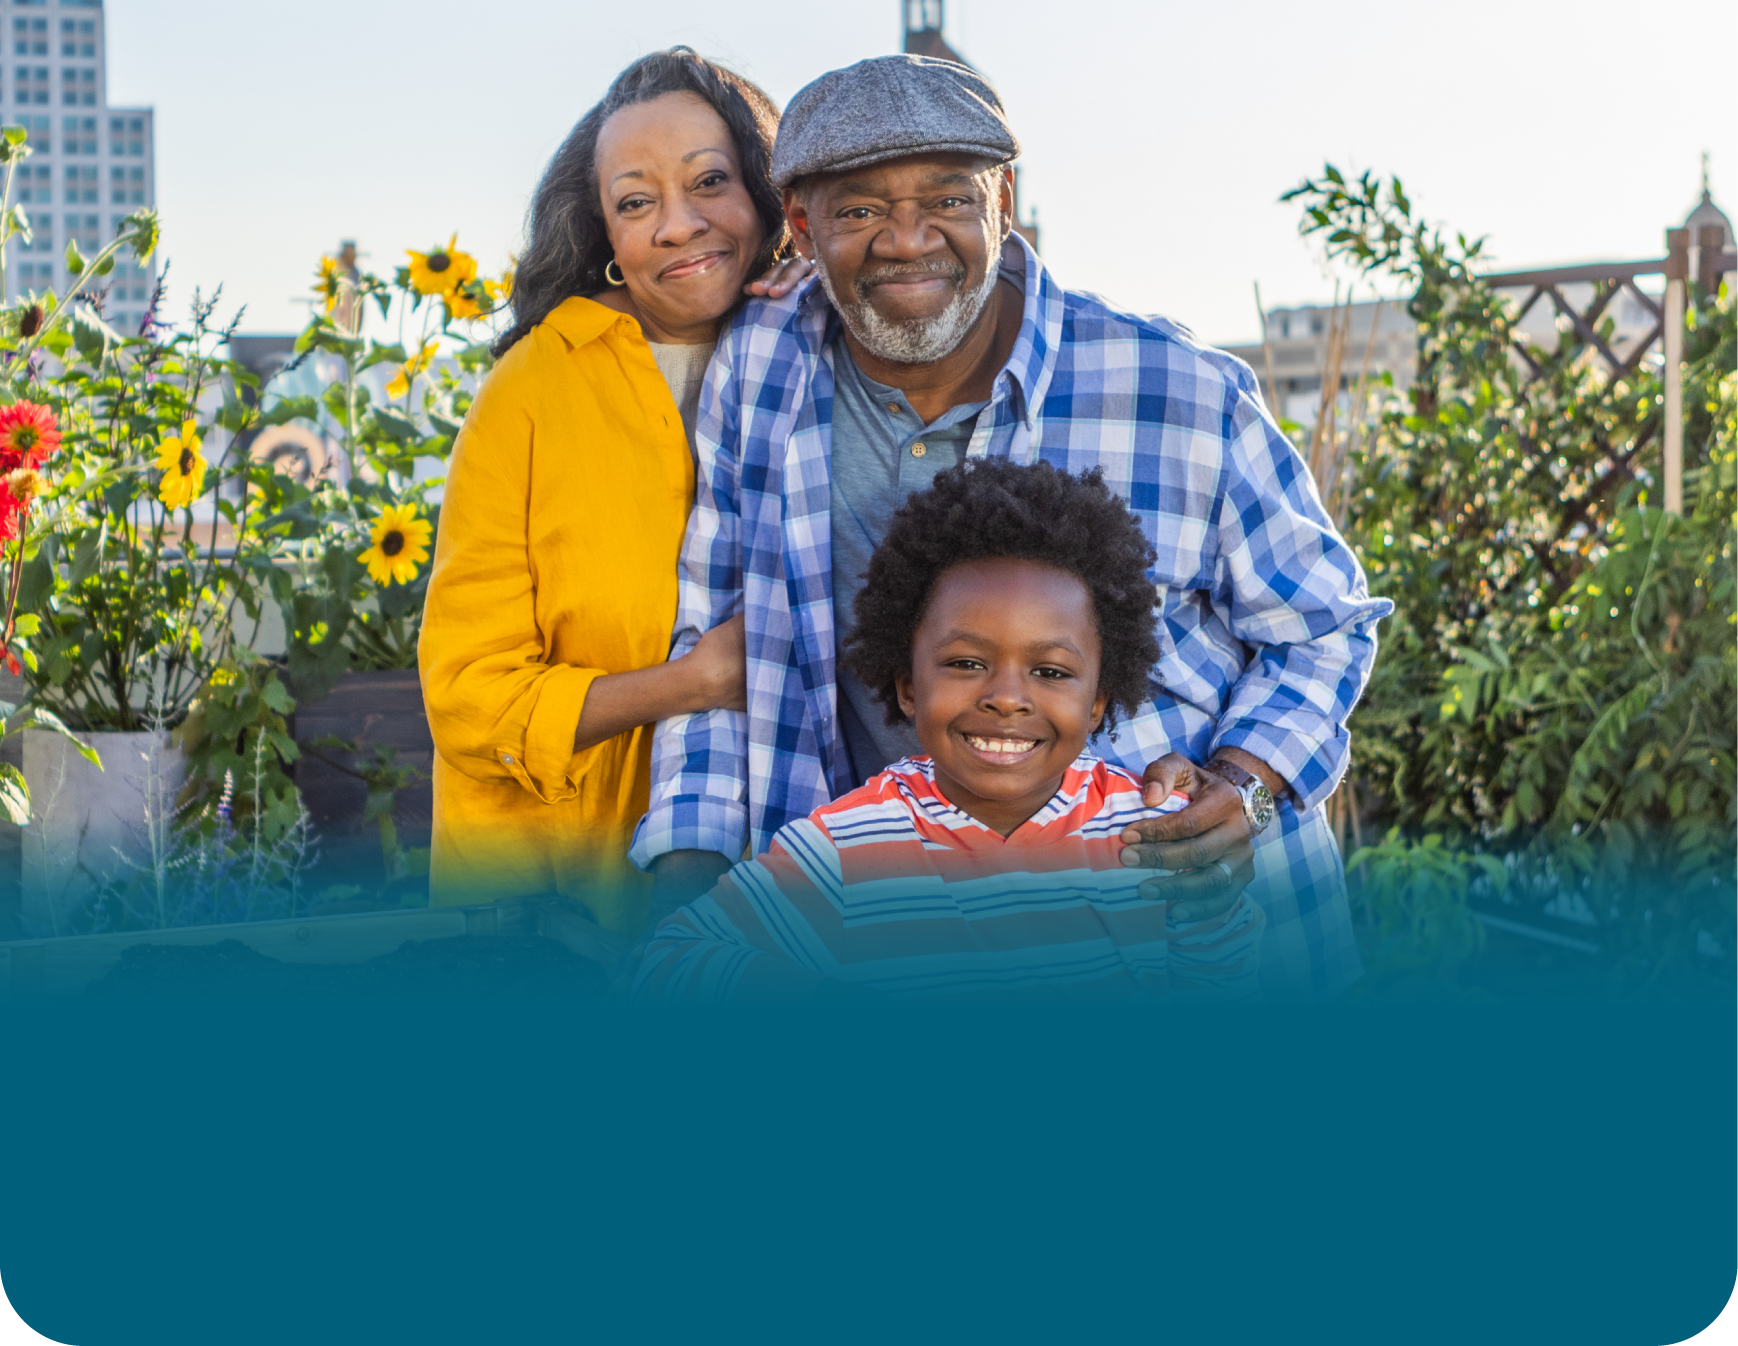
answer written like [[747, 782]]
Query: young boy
[[1009, 614]]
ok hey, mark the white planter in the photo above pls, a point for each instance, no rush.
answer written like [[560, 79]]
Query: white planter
[[87, 826]]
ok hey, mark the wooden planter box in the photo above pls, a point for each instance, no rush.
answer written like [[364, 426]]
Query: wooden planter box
[[376, 708], [66, 966]]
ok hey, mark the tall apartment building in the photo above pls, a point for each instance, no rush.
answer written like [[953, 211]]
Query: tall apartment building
[[92, 164]]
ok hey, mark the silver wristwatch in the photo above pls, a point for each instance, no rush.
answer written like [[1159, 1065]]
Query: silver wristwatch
[[1257, 798]]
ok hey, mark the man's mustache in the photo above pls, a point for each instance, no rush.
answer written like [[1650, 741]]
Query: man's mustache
[[905, 271]]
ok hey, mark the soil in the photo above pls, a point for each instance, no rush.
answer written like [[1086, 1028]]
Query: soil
[[488, 963]]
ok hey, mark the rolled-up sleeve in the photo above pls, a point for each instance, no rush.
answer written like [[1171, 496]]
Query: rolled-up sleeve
[[1291, 590], [496, 706]]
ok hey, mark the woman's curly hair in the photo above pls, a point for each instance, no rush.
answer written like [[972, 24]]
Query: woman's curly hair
[[992, 508]]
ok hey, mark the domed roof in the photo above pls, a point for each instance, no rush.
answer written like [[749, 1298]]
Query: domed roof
[[1706, 212]]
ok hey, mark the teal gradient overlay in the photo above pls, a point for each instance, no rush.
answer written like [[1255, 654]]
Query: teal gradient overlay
[[489, 1166]]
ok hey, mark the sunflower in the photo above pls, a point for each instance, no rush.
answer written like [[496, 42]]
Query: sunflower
[[466, 301], [400, 543], [500, 291], [182, 466], [442, 270], [27, 435], [329, 281], [400, 385]]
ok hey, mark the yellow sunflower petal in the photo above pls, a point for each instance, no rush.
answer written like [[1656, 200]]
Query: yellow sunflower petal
[[378, 569]]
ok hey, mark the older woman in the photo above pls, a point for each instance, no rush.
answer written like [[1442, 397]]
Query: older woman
[[544, 643]]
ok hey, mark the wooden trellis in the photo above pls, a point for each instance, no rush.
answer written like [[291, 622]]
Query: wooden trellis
[[1609, 281]]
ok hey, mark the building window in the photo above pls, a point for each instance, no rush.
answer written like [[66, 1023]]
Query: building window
[[127, 186], [30, 37], [32, 84], [79, 135], [32, 182], [78, 87], [81, 184], [127, 136]]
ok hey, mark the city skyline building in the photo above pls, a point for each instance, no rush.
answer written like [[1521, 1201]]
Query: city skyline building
[[91, 164]]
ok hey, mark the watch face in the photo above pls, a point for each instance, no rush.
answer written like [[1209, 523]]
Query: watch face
[[1261, 806]]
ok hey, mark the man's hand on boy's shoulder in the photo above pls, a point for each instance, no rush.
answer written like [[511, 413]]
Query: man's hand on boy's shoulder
[[1208, 841]]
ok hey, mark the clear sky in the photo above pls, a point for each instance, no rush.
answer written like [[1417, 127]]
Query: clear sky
[[1158, 136]]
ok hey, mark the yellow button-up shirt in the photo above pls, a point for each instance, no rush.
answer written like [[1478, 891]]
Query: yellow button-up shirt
[[568, 493]]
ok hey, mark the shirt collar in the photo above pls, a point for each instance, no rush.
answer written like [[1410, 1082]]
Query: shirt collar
[[581, 320]]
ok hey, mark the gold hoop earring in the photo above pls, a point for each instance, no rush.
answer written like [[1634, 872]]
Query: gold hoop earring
[[618, 279]]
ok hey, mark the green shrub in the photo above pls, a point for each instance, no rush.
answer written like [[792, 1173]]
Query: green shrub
[[1558, 682]]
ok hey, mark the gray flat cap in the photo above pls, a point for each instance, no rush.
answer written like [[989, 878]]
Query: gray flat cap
[[886, 108]]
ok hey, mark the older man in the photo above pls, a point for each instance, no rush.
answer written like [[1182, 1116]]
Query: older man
[[936, 335]]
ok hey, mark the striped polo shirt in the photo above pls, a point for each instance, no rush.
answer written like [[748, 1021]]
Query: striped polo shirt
[[893, 888]]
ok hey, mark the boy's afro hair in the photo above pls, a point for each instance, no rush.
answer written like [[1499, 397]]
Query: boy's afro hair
[[992, 508]]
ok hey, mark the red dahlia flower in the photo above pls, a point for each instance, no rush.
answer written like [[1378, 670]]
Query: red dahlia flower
[[11, 512], [27, 435]]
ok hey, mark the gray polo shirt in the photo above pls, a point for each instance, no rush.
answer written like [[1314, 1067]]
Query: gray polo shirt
[[881, 454]]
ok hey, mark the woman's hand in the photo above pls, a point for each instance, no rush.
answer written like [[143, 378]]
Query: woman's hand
[[717, 668], [781, 278]]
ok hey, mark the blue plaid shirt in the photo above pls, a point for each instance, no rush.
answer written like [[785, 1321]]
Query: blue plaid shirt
[[1267, 631]]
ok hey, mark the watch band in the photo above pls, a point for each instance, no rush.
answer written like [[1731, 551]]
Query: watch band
[[1227, 770]]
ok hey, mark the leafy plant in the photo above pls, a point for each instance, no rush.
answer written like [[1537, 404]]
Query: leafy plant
[[1418, 891], [237, 729], [378, 767], [140, 564], [358, 599], [1558, 682], [14, 792], [204, 867]]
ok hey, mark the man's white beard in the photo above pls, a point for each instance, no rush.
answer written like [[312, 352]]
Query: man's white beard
[[916, 341]]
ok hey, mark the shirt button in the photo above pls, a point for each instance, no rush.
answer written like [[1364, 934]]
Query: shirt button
[[893, 407], [507, 758], [918, 450]]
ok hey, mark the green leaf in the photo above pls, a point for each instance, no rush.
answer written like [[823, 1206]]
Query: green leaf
[[337, 403], [234, 414], [14, 794], [40, 718], [277, 696], [74, 258], [93, 337], [398, 428], [287, 409], [87, 554]]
